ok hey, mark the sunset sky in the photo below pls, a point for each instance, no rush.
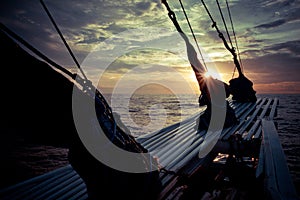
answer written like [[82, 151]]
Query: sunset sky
[[128, 44]]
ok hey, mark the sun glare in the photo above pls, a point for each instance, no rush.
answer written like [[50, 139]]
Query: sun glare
[[212, 74], [207, 74]]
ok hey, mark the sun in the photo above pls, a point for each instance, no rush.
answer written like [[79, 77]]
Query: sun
[[211, 74], [207, 74]]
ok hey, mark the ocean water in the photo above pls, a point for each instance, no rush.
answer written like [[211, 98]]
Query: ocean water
[[143, 114]]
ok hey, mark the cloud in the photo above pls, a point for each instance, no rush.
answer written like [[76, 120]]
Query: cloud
[[142, 7], [291, 17], [279, 88], [292, 48], [266, 31], [284, 12], [82, 23], [278, 3], [272, 24], [270, 68]]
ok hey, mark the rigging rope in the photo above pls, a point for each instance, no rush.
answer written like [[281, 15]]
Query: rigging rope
[[74, 77], [235, 40], [63, 39], [188, 21], [35, 51], [231, 50], [223, 19]]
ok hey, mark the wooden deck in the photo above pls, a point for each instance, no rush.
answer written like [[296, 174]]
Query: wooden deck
[[177, 148]]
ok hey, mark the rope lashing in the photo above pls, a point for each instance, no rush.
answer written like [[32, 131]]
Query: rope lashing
[[223, 19], [230, 49], [234, 35]]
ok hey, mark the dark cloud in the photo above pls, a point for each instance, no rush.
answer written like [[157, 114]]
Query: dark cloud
[[143, 6], [272, 24], [271, 68], [285, 11], [29, 20], [77, 13], [214, 36], [292, 46], [283, 4], [252, 53]]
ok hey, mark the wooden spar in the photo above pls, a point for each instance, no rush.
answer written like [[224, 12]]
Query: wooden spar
[[279, 184], [261, 161]]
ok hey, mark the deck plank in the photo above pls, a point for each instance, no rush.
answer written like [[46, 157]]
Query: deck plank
[[79, 190], [59, 192], [273, 109], [254, 115], [252, 131], [179, 136], [51, 189], [244, 121], [25, 188]]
